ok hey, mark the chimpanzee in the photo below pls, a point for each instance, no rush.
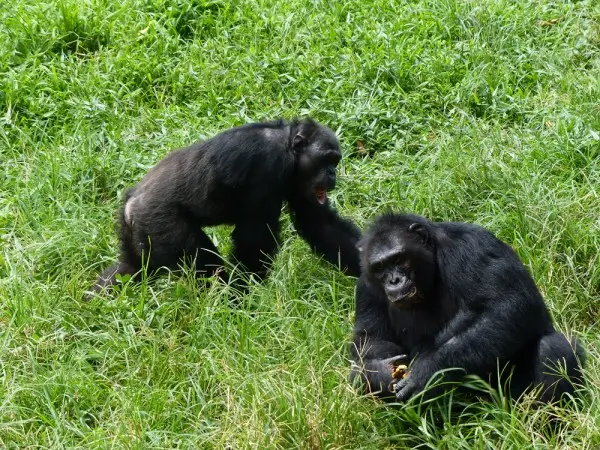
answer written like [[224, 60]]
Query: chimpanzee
[[240, 177], [443, 295]]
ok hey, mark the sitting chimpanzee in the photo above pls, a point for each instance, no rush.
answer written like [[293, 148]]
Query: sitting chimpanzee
[[241, 177], [451, 295]]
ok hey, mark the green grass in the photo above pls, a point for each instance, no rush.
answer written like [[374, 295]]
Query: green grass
[[484, 111]]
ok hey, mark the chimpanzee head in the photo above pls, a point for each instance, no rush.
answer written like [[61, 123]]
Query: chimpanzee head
[[397, 254], [317, 153]]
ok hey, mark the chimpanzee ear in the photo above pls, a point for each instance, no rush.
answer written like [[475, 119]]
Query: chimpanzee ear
[[299, 139], [421, 230], [303, 132]]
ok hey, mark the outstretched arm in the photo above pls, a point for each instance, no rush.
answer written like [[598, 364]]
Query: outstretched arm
[[328, 234]]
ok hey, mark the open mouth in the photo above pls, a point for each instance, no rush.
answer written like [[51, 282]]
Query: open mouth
[[321, 194]]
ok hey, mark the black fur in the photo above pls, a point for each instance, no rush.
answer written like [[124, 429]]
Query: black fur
[[475, 308], [240, 177]]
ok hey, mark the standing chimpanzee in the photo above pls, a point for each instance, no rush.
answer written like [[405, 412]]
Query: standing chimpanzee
[[451, 295], [241, 177]]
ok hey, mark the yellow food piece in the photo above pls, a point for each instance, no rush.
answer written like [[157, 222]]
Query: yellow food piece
[[400, 372]]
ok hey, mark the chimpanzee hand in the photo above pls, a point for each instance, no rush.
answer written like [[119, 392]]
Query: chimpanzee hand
[[414, 381], [377, 373], [407, 388], [382, 370], [418, 377]]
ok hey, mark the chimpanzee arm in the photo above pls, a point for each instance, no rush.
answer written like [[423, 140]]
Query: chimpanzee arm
[[474, 340], [255, 239], [374, 352], [328, 234]]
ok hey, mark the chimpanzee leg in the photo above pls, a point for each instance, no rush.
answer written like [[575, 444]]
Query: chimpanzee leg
[[552, 364], [175, 238], [558, 366], [161, 237]]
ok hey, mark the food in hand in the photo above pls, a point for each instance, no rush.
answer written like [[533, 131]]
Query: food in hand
[[400, 372]]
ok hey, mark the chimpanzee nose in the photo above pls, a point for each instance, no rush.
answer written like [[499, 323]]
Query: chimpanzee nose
[[395, 280]]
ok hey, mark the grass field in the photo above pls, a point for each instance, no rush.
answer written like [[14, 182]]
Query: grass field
[[485, 111]]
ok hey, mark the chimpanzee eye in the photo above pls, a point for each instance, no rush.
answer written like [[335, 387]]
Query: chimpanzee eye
[[400, 261], [377, 269]]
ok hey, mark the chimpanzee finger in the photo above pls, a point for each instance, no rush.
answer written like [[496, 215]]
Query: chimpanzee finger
[[404, 390]]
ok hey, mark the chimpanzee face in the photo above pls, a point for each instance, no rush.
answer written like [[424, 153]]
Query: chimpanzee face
[[400, 262], [317, 153]]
